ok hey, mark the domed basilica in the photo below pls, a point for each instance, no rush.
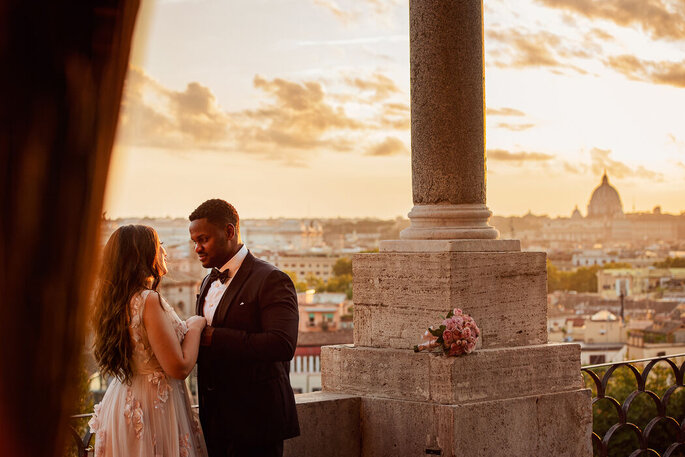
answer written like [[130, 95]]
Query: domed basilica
[[606, 222], [605, 201]]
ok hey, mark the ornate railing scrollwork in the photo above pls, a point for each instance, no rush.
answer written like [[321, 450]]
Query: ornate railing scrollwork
[[659, 434]]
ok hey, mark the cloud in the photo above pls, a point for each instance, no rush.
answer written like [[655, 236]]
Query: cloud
[[526, 49], [297, 116], [514, 48], [601, 34], [153, 115], [514, 127], [601, 162], [661, 19], [395, 116], [576, 169], [507, 156], [381, 86], [389, 147], [332, 6], [354, 10], [663, 72], [504, 112], [292, 120], [675, 140]]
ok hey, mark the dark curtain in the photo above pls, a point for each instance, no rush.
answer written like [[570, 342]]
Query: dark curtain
[[62, 69]]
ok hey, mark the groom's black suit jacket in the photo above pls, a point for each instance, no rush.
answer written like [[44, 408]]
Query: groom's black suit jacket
[[243, 376]]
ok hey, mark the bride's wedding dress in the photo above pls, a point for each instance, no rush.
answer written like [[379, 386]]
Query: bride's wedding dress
[[152, 416]]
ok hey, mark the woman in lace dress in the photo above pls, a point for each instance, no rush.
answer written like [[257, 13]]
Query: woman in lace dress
[[148, 350]]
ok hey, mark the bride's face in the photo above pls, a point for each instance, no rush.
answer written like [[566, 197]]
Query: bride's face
[[161, 259]]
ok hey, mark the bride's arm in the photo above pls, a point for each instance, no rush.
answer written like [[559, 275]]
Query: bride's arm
[[177, 360]]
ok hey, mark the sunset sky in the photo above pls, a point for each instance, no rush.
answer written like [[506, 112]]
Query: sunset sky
[[300, 108]]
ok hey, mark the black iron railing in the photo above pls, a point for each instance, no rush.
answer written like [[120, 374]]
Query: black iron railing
[[82, 443], [638, 407]]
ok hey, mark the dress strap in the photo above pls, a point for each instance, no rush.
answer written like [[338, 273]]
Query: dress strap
[[138, 306]]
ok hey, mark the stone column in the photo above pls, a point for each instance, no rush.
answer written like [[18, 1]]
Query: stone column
[[448, 121]]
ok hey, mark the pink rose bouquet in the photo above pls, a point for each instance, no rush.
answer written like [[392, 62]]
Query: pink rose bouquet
[[456, 335]]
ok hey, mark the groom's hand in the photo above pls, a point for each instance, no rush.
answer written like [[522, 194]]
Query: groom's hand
[[206, 339]]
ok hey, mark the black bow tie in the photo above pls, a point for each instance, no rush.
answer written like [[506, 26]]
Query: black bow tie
[[220, 275]]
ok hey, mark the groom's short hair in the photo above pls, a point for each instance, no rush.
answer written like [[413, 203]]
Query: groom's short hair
[[218, 212]]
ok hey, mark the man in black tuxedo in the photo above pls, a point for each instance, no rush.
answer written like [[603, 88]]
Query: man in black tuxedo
[[247, 406]]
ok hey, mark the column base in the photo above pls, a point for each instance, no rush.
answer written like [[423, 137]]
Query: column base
[[449, 222], [557, 424]]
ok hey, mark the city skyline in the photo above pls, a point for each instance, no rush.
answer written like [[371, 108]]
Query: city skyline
[[301, 109]]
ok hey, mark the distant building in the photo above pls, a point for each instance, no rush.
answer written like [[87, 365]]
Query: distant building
[[323, 312], [323, 319], [596, 353], [282, 235], [305, 368], [320, 266], [180, 290], [656, 340], [604, 327], [590, 257], [605, 201], [605, 223], [638, 281]]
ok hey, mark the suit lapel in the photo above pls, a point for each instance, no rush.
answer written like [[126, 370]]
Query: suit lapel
[[201, 298], [232, 291]]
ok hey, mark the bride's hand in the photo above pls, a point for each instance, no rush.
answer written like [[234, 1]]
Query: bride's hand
[[198, 322]]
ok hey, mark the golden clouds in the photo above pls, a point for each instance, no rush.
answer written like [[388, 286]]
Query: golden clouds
[[514, 127], [296, 116], [663, 72], [388, 147], [517, 157], [153, 115], [661, 19], [524, 49], [351, 10], [504, 112], [381, 86], [601, 161], [292, 119], [510, 112]]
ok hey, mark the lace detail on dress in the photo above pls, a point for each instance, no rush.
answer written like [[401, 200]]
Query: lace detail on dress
[[184, 445], [94, 422], [141, 345], [159, 379], [133, 413], [101, 444]]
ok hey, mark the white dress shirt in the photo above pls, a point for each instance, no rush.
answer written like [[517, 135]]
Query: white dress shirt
[[217, 289]]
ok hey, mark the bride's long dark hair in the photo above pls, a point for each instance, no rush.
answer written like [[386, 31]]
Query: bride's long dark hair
[[129, 260]]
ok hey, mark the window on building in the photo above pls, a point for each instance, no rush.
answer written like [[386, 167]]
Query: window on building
[[596, 359], [311, 319]]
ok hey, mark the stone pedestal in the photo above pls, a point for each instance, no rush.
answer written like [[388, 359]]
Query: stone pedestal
[[398, 295], [516, 395]]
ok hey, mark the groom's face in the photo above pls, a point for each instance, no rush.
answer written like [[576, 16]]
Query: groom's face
[[214, 245]]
